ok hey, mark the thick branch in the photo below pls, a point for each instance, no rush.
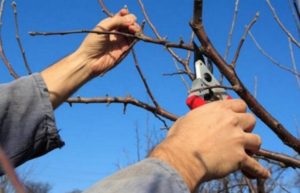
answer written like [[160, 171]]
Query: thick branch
[[242, 91]]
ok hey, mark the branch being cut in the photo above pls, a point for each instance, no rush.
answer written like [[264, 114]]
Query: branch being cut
[[241, 90]]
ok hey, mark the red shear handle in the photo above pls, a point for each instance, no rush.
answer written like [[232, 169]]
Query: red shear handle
[[195, 101]]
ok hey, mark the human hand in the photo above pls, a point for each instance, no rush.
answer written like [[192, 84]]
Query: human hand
[[102, 52], [210, 142]]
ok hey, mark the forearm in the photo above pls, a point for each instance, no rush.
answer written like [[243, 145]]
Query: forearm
[[65, 77]]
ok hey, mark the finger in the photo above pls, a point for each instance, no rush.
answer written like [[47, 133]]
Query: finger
[[117, 21], [252, 168], [135, 28], [237, 105], [252, 142], [247, 121]]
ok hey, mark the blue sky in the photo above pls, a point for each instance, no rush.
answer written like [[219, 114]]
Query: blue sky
[[98, 137]]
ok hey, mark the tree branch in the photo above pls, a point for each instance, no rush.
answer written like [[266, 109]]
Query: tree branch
[[125, 100], [104, 9], [285, 30], [229, 39], [14, 6], [2, 53], [242, 91], [268, 56], [141, 37], [247, 29]]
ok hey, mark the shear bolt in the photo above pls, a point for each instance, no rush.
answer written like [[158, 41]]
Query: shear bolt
[[207, 77]]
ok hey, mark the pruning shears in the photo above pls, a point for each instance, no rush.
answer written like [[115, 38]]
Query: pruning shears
[[205, 88]]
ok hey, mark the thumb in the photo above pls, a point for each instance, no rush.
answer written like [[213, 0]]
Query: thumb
[[122, 19]]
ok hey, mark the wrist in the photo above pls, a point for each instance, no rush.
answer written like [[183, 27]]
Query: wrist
[[65, 77], [188, 166]]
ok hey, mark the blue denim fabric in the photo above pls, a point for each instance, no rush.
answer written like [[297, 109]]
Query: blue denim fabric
[[27, 124], [147, 176]]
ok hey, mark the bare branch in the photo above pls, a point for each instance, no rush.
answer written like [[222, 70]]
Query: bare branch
[[155, 31], [247, 29], [229, 39], [241, 90], [2, 53], [141, 37], [14, 6], [138, 68], [148, 20], [180, 73], [124, 100], [285, 159], [285, 30], [293, 60], [263, 52], [296, 14], [104, 9]]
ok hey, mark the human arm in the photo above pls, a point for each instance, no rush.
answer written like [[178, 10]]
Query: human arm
[[96, 55], [27, 125], [208, 143]]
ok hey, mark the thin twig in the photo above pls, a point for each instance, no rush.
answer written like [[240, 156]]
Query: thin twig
[[155, 31], [233, 23], [14, 6], [250, 185], [247, 29], [293, 61], [2, 53], [148, 90], [124, 100], [141, 37], [296, 14], [104, 8], [148, 20], [263, 52], [181, 73], [285, 30]]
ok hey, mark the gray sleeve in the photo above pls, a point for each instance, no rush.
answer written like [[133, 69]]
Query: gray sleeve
[[147, 176], [27, 124]]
